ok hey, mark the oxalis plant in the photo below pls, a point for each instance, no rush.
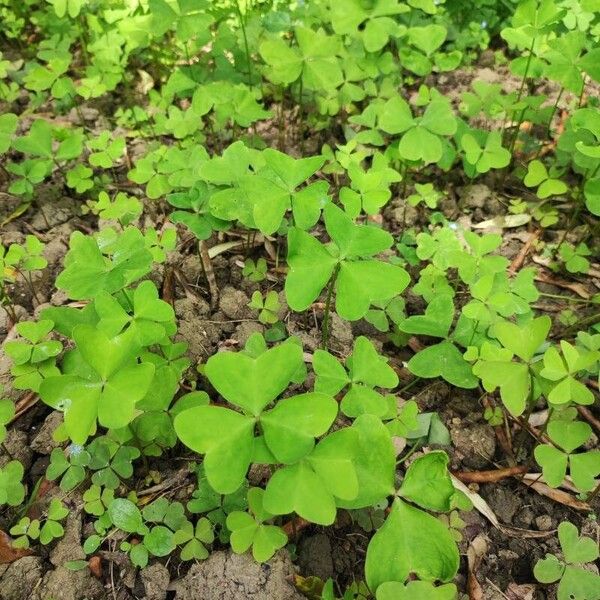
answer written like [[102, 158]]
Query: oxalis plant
[[316, 470], [300, 127], [346, 265]]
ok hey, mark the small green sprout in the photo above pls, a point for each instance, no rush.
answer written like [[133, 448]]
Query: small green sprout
[[575, 581], [267, 307], [255, 271]]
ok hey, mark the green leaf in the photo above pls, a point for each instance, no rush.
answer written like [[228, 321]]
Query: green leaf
[[579, 584], [225, 437], [321, 68], [50, 530], [291, 427], [491, 156], [436, 321], [159, 541], [354, 240], [428, 38], [536, 173], [12, 491], [576, 550], [38, 142], [375, 463], [311, 267], [438, 117], [252, 383], [523, 340], [592, 195], [139, 555], [121, 392], [395, 116], [310, 487], [333, 460], [415, 590], [125, 515], [512, 378], [362, 399], [87, 271], [243, 529], [367, 366], [331, 377], [292, 172], [553, 463], [359, 284], [8, 125], [585, 467], [443, 360], [419, 143], [267, 540], [147, 305], [247, 531], [549, 569], [410, 541], [297, 488], [427, 482], [569, 435], [285, 63]]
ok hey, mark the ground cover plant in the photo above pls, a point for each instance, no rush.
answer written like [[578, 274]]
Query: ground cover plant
[[300, 299]]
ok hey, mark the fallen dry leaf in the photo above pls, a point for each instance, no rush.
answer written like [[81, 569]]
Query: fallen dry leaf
[[23, 404], [503, 222], [475, 552], [518, 261], [577, 288], [8, 554], [95, 566], [489, 476], [554, 494], [520, 592], [295, 526], [484, 508]]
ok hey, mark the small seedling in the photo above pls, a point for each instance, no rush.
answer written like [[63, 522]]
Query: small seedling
[[346, 264], [32, 530], [574, 580], [267, 307], [583, 467], [12, 491], [7, 412], [255, 271], [248, 529], [496, 368], [575, 258], [425, 193], [537, 176]]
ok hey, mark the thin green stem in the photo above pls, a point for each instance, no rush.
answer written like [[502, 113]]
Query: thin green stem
[[301, 114], [408, 454], [565, 298], [554, 109], [575, 213], [528, 411], [29, 282], [408, 385], [527, 67], [246, 46], [325, 325], [593, 494], [591, 320], [403, 194], [520, 95], [582, 91], [83, 40]]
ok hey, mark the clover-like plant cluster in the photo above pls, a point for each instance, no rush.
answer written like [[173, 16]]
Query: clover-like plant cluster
[[316, 156]]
